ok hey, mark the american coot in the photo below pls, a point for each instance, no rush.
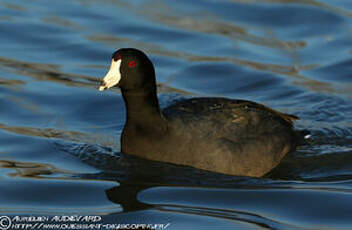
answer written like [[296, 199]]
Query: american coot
[[228, 136]]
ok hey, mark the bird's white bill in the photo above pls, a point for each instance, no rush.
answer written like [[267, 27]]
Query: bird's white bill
[[112, 77]]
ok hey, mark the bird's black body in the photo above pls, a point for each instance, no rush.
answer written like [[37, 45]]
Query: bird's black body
[[228, 136]]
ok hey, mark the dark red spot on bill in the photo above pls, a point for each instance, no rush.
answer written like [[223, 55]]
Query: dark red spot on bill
[[116, 56]]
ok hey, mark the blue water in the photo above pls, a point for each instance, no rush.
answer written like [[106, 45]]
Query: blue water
[[59, 136]]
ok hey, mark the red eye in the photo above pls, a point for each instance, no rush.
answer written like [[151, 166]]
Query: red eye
[[132, 64]]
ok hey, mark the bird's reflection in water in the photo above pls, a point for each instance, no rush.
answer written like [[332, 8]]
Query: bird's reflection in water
[[126, 195]]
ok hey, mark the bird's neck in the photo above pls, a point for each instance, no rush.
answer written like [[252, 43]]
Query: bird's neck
[[142, 106]]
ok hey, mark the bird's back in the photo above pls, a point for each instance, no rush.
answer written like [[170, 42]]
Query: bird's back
[[230, 136], [233, 119]]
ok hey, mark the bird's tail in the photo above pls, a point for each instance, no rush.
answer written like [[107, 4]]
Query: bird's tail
[[303, 135]]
